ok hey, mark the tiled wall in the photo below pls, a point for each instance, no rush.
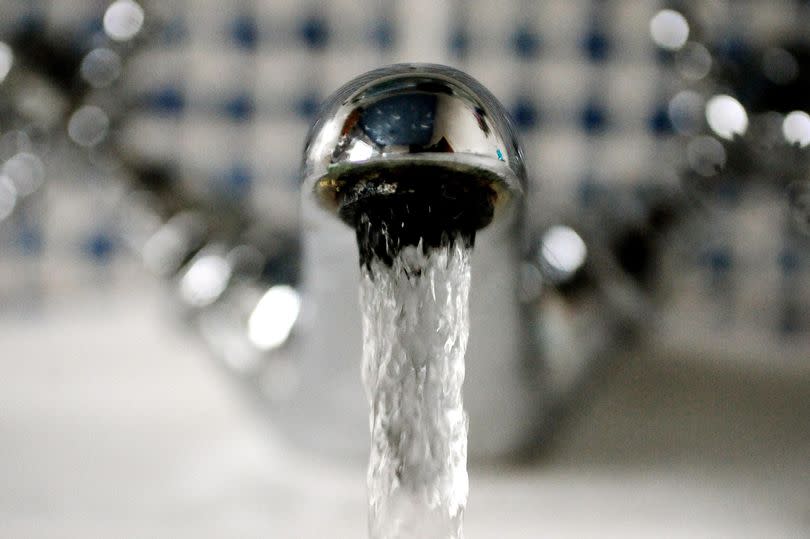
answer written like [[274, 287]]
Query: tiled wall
[[225, 90]]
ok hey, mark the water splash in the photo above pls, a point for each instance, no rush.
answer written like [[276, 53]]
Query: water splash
[[415, 330]]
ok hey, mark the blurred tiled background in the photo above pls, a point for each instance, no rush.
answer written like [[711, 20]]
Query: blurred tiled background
[[222, 91]]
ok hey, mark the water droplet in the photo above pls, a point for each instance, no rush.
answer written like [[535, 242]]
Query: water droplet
[[669, 29], [726, 116], [686, 112], [123, 20], [6, 60], [273, 318], [205, 280], [100, 67], [706, 155], [88, 126], [8, 197], [26, 171], [694, 61], [562, 253], [796, 128]]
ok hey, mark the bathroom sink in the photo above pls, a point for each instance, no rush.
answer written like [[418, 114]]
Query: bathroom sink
[[111, 426]]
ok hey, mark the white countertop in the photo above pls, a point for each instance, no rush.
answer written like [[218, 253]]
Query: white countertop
[[114, 424]]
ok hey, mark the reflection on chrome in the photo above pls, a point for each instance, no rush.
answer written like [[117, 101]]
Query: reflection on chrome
[[8, 197], [88, 126], [706, 155], [796, 128], [423, 114], [166, 249], [6, 60], [360, 151], [274, 316], [726, 116], [205, 280], [686, 112], [161, 250], [563, 252], [26, 172], [100, 67], [123, 20], [669, 29]]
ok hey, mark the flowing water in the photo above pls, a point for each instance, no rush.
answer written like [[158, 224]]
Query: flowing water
[[415, 329]]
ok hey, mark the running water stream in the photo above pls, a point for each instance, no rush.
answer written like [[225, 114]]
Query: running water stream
[[416, 158], [415, 329]]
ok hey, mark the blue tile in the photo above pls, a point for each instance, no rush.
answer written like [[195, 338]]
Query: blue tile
[[238, 180], [664, 57], [173, 32], [459, 44], [30, 240], [589, 191], [718, 259], [526, 43], [382, 35], [788, 262], [239, 108], [660, 123], [308, 105], [524, 114], [167, 100], [245, 32], [32, 22], [100, 246], [594, 118], [790, 320], [314, 32], [596, 46]]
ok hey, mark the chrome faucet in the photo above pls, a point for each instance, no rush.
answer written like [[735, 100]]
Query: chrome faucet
[[547, 294], [405, 132], [279, 307]]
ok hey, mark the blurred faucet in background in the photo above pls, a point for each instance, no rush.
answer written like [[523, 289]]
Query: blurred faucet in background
[[668, 195]]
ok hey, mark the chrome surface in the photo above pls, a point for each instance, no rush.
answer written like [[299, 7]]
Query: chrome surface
[[419, 114], [401, 117]]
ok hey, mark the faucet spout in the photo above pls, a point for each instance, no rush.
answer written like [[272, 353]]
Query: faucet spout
[[413, 154], [407, 157]]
